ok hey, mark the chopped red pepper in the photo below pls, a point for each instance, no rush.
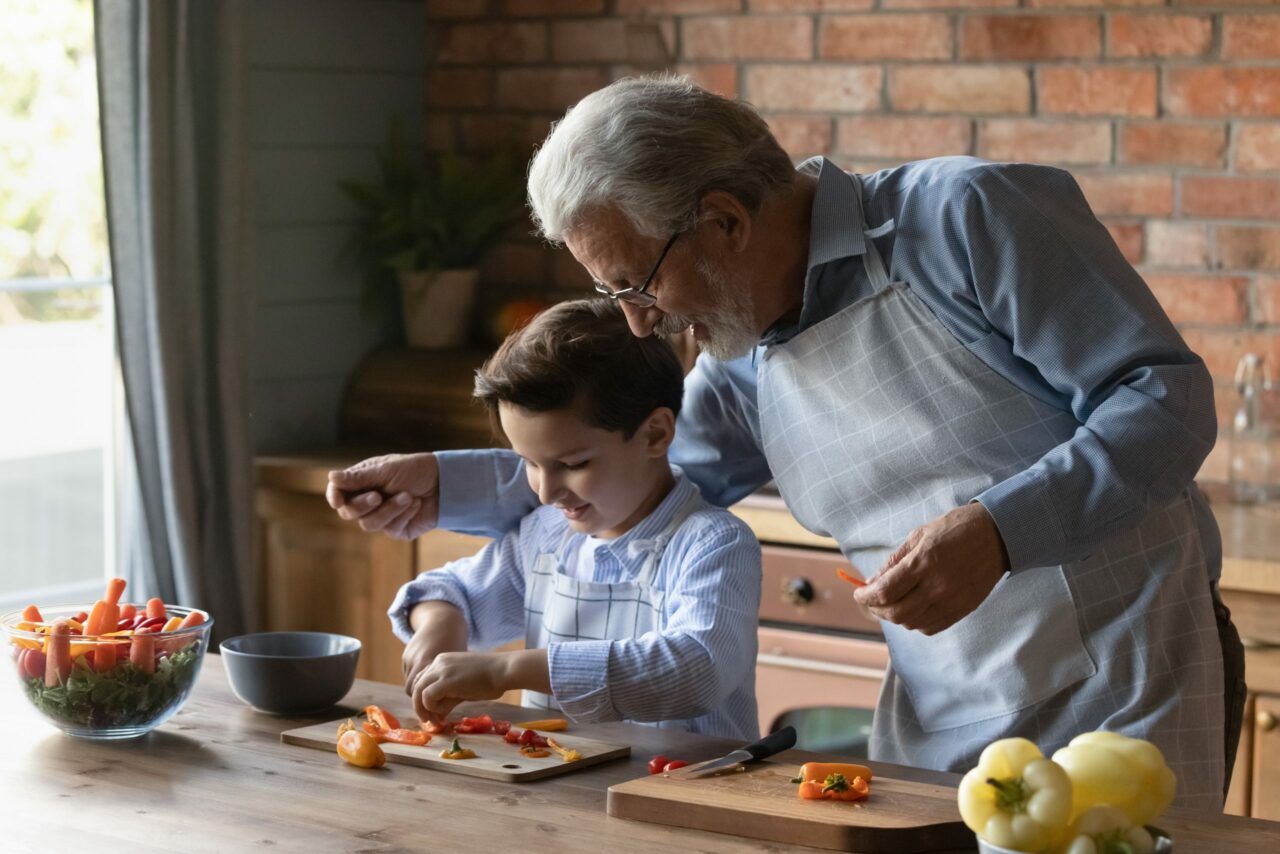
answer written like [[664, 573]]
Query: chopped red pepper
[[382, 718]]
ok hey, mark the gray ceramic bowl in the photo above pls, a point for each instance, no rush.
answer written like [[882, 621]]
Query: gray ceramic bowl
[[291, 673]]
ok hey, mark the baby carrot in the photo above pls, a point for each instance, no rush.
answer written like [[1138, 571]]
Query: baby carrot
[[142, 653], [155, 608], [32, 614], [104, 657], [127, 612], [195, 618], [97, 619], [115, 587], [855, 581], [57, 666]]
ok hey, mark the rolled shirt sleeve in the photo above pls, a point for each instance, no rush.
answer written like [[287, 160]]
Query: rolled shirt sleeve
[[1054, 286]]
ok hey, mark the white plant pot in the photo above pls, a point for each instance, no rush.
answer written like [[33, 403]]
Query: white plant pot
[[437, 306], [1164, 844]]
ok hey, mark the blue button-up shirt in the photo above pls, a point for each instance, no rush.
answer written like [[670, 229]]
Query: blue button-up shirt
[[697, 673], [1014, 264]]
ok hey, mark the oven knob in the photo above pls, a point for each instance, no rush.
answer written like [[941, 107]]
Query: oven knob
[[798, 591]]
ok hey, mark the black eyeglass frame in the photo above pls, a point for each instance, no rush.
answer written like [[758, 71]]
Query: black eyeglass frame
[[639, 296]]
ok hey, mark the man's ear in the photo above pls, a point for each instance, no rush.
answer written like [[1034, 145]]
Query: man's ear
[[729, 217], [659, 431]]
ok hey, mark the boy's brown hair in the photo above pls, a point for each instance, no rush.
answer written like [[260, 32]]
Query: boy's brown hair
[[582, 354]]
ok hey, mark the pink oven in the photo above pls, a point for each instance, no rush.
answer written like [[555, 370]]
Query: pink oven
[[821, 659]]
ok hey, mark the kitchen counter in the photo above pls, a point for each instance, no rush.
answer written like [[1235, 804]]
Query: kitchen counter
[[216, 778]]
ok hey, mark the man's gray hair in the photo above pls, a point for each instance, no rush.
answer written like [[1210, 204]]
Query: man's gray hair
[[651, 148]]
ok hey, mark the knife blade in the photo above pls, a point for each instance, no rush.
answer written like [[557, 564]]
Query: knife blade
[[783, 739]]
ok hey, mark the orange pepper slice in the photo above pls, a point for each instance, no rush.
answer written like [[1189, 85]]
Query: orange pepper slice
[[854, 580]]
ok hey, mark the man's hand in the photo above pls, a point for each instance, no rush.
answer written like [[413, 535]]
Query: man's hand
[[941, 574], [398, 494], [453, 677]]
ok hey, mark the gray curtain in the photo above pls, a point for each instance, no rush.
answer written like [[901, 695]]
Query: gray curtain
[[169, 84]]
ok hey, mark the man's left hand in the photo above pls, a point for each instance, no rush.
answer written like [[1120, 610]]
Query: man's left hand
[[941, 574]]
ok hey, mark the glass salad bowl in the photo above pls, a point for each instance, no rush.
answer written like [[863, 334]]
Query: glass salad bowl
[[114, 684]]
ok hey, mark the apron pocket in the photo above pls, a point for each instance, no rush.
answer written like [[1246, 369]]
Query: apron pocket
[[1021, 646]]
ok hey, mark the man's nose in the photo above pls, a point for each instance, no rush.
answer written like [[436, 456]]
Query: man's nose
[[641, 320]]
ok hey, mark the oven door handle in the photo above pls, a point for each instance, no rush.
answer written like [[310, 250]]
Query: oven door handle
[[787, 662]]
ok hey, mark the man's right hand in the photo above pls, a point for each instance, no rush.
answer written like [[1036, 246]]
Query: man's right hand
[[397, 494]]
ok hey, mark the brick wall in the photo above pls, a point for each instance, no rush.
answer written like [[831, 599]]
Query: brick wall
[[1166, 111]]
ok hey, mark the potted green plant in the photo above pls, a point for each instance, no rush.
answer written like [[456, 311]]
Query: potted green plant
[[425, 225]]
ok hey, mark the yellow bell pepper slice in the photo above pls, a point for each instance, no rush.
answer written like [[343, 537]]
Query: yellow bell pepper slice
[[550, 725]]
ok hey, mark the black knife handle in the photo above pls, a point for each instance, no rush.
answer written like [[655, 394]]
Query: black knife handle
[[783, 739]]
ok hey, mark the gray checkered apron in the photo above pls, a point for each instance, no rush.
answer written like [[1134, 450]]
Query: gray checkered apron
[[877, 420], [560, 608]]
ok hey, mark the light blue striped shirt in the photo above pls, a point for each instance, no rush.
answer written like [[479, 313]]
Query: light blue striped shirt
[[698, 673], [1014, 264]]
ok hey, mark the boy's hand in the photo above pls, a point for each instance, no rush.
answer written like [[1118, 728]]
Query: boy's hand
[[397, 494], [456, 676], [438, 627]]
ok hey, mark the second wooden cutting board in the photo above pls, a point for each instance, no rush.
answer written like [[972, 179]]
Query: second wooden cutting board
[[495, 759], [759, 802]]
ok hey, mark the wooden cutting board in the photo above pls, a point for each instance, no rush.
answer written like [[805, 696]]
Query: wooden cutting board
[[495, 759], [899, 817]]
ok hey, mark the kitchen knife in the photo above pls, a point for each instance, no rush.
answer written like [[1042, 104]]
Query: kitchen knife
[[783, 739]]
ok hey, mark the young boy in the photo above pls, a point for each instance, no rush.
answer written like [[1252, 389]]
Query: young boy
[[637, 599]]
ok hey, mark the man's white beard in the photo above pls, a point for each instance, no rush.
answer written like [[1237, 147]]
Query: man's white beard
[[730, 325]]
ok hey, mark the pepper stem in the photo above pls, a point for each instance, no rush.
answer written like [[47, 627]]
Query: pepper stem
[[1011, 793]]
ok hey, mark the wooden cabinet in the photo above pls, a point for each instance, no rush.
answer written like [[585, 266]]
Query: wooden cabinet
[[1255, 783], [320, 573]]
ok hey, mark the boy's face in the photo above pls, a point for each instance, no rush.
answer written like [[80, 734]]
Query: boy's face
[[604, 484]]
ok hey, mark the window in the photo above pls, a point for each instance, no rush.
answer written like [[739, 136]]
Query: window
[[57, 361]]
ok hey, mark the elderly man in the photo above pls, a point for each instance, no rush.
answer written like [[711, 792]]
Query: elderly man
[[953, 372]]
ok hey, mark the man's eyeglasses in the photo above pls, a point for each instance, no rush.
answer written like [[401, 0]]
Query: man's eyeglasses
[[639, 296]]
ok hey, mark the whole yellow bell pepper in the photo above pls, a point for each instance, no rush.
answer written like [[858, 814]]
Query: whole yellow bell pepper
[[1127, 773], [1016, 798], [1104, 829]]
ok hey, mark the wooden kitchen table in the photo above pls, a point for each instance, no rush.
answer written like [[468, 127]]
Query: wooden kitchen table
[[217, 779]]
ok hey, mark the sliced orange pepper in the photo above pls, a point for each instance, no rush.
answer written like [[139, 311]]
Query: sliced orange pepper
[[381, 717], [551, 725], [836, 787], [568, 754], [852, 579], [822, 770], [457, 751]]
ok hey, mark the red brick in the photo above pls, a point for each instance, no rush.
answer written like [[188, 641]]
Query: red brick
[[1102, 91], [1030, 37], [1222, 349], [1219, 91], [612, 40], [1250, 36], [1044, 142], [1177, 244], [487, 131], [1231, 198], [868, 37], [1224, 2], [902, 138], [548, 8], [547, 89], [676, 7], [802, 136], [459, 87], [1267, 300], [1191, 298], [1241, 247], [493, 43], [770, 37], [456, 8], [1051, 4], [721, 78], [1258, 148], [1114, 193], [1128, 238], [809, 5], [813, 87], [959, 88], [1174, 144], [1159, 35], [946, 4]]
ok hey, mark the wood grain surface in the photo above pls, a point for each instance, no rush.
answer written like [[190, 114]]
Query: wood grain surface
[[495, 759], [216, 779], [759, 802]]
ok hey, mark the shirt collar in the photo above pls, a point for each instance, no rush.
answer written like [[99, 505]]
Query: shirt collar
[[655, 523]]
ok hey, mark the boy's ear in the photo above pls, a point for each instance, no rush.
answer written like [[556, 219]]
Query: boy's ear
[[659, 431]]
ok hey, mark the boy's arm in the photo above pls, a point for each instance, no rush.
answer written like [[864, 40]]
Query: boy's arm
[[706, 651], [486, 590]]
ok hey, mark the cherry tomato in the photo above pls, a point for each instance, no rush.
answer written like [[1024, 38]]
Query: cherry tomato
[[674, 764], [510, 736], [502, 727], [657, 764]]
